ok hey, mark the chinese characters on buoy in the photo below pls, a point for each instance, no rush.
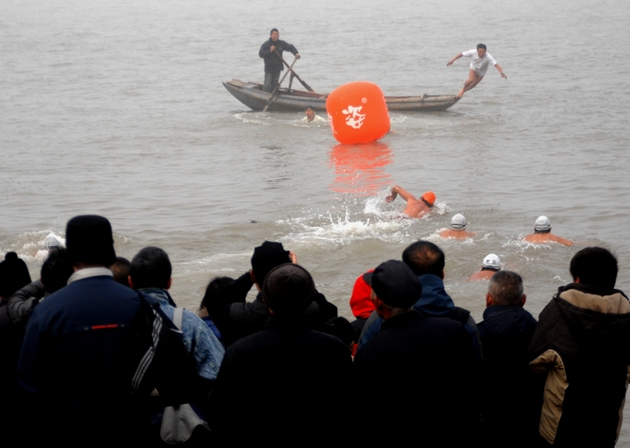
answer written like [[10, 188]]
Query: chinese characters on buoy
[[357, 113]]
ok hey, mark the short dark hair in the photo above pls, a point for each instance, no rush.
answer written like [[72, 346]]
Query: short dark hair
[[481, 46], [594, 266], [272, 30], [213, 288], [150, 268], [506, 288], [424, 257], [309, 107], [121, 269], [56, 270]]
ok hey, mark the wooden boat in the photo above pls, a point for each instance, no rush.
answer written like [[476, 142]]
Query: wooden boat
[[252, 95]]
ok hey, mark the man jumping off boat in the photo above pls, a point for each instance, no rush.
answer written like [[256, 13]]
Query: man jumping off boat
[[478, 67], [273, 63]]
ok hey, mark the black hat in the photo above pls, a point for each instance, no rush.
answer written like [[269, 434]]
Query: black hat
[[395, 284], [89, 240], [14, 274], [267, 257], [288, 288]]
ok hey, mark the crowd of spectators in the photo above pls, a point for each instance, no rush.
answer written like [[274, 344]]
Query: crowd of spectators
[[97, 353]]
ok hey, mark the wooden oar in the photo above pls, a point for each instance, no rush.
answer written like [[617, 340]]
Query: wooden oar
[[273, 96], [294, 74]]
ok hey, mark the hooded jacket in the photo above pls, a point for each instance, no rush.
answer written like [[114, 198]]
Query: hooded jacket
[[582, 342]]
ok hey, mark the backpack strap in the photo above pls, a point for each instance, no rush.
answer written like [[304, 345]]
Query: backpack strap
[[177, 317]]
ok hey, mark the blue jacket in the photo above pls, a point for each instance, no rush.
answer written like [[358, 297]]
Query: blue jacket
[[198, 337]]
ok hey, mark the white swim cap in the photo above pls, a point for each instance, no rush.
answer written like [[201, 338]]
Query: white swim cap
[[51, 242], [458, 222], [491, 261], [542, 224]]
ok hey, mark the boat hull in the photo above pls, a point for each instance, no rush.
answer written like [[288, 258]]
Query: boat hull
[[252, 95]]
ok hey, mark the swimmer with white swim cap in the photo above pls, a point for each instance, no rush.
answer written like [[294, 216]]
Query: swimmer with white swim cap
[[542, 233], [416, 208], [490, 265], [458, 228]]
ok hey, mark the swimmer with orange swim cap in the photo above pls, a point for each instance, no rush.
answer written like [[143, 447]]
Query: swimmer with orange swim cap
[[490, 265], [542, 233], [416, 208], [458, 228]]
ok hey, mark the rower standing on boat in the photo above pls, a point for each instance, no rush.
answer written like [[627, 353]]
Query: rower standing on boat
[[478, 67], [273, 63]]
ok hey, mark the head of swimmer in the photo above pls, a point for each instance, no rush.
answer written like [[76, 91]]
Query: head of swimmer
[[309, 113], [274, 34], [481, 50]]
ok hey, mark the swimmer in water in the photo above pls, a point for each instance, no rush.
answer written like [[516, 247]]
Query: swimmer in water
[[311, 117], [542, 233], [489, 266], [458, 228], [416, 208]]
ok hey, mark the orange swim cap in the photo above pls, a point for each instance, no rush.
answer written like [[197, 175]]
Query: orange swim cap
[[429, 198]]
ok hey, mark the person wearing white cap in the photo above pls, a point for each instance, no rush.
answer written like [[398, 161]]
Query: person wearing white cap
[[542, 233], [458, 228], [490, 265]]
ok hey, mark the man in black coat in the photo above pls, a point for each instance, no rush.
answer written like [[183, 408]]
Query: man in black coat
[[273, 63], [281, 384], [510, 398], [79, 356], [418, 375]]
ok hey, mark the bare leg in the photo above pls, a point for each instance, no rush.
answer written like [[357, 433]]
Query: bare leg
[[471, 82]]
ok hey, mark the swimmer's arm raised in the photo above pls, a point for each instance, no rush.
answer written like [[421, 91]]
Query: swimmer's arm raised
[[396, 190], [449, 63]]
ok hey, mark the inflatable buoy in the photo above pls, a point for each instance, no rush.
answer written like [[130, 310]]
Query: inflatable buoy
[[357, 113]]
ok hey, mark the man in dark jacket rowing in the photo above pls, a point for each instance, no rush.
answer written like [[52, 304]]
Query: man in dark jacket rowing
[[271, 52]]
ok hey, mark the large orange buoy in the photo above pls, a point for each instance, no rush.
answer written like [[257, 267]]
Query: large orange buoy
[[357, 113]]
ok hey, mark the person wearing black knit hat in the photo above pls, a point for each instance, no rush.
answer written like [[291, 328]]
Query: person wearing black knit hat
[[77, 358], [422, 369]]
